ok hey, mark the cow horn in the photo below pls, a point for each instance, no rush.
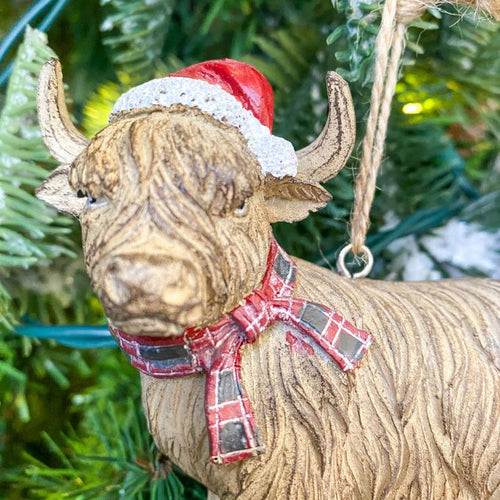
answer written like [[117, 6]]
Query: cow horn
[[328, 153], [61, 137]]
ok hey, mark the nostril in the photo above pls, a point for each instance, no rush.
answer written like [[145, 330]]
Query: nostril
[[115, 286], [112, 267]]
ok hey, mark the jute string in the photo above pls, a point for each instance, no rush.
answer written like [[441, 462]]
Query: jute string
[[389, 47]]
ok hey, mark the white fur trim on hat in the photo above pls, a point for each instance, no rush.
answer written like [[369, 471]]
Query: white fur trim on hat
[[276, 155]]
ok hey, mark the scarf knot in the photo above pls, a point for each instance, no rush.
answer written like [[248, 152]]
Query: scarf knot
[[214, 350], [254, 316]]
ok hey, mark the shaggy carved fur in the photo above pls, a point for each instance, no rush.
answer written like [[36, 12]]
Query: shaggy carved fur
[[418, 419], [166, 247], [178, 233]]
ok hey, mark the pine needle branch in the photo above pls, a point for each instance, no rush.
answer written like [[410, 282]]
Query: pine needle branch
[[135, 32], [30, 230]]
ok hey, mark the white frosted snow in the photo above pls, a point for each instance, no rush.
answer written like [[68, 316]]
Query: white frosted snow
[[410, 261], [461, 245], [466, 246], [275, 154]]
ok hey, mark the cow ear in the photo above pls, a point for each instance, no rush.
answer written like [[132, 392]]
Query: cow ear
[[56, 191], [291, 199]]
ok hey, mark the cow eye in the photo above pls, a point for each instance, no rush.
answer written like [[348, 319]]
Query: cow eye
[[242, 210], [96, 202], [91, 201], [83, 194]]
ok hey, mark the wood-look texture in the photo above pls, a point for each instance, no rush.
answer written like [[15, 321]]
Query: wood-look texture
[[327, 154], [176, 231], [418, 419], [62, 138]]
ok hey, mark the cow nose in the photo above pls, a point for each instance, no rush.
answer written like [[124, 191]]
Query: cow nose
[[131, 279]]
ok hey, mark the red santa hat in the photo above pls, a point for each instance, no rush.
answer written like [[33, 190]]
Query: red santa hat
[[230, 91]]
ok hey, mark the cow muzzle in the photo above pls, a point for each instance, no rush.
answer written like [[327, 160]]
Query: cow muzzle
[[151, 287]]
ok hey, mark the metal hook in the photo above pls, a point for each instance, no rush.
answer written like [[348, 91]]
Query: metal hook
[[342, 268]]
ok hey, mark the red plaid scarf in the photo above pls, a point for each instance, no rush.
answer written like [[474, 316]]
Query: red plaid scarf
[[215, 351]]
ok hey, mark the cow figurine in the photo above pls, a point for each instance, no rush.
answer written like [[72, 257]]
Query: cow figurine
[[258, 377]]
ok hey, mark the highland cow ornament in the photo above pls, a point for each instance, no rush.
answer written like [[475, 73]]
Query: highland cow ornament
[[247, 354]]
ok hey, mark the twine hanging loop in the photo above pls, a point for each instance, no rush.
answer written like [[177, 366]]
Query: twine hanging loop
[[389, 48]]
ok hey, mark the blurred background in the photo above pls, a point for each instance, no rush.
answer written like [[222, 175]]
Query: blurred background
[[71, 423]]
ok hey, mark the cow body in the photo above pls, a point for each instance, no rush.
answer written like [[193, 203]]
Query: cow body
[[176, 233], [419, 419]]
